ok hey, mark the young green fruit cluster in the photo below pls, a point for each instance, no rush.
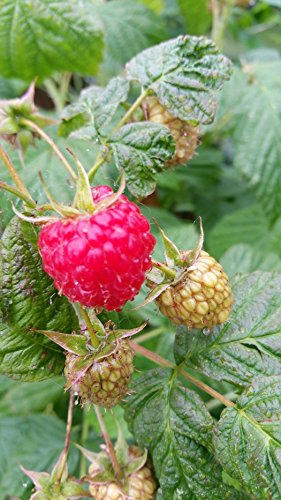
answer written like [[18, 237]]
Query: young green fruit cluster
[[202, 299], [106, 380], [139, 485], [184, 134]]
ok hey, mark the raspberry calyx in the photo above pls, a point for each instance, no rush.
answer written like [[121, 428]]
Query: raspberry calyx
[[137, 479]]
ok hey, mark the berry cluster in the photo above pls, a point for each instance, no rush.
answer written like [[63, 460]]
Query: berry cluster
[[139, 485], [99, 260], [185, 134], [203, 299], [106, 380]]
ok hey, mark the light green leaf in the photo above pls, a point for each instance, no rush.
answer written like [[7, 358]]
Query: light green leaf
[[29, 301], [255, 122], [197, 16], [245, 259], [173, 423], [30, 397], [248, 225], [247, 439], [94, 109], [35, 442], [249, 343], [141, 150], [40, 37], [184, 73], [155, 5]]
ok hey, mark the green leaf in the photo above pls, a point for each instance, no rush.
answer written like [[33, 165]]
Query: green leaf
[[257, 154], [30, 397], [174, 425], [28, 300], [245, 259], [141, 149], [129, 27], [249, 343], [95, 108], [11, 88], [197, 16], [155, 5], [40, 37], [248, 225], [184, 73], [247, 439], [35, 442]]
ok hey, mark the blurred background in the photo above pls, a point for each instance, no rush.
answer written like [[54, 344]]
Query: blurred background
[[233, 182]]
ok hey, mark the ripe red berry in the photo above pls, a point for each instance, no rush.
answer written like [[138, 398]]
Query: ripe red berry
[[99, 260]]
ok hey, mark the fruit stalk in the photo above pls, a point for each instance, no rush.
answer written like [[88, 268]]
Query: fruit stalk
[[164, 362], [15, 176], [86, 319], [51, 143], [109, 445], [67, 436]]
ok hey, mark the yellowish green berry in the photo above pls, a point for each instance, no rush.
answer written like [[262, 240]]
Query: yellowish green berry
[[203, 299]]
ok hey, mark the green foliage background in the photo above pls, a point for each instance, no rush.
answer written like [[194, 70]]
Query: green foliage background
[[234, 183]]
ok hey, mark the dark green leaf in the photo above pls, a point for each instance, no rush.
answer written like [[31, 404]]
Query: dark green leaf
[[39, 38], [35, 442], [184, 73], [94, 109], [28, 300], [11, 88], [173, 423], [249, 343], [247, 439], [141, 149], [129, 27], [257, 154]]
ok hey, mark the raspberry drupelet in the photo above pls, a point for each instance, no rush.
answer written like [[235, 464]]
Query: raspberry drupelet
[[99, 260]]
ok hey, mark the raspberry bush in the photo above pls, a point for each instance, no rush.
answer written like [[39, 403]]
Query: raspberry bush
[[140, 258]]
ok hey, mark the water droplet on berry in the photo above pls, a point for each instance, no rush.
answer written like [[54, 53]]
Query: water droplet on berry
[[206, 331]]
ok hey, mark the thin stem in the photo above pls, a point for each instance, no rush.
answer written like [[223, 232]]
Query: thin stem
[[67, 436], [109, 445], [86, 319], [14, 174], [132, 109], [84, 436], [149, 335], [165, 269], [214, 403], [51, 143], [99, 161], [220, 18], [164, 362]]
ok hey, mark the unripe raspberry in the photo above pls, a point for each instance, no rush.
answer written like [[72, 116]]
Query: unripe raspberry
[[203, 299], [99, 260], [140, 485], [185, 134], [106, 381]]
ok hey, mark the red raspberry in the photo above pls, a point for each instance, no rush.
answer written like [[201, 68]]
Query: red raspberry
[[99, 260]]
